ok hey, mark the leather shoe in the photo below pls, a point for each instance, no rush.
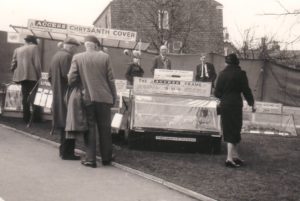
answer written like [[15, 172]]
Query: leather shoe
[[231, 164], [239, 161], [105, 163], [108, 162], [71, 157], [89, 164]]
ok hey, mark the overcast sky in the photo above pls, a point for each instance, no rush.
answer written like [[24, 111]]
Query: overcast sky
[[238, 15]]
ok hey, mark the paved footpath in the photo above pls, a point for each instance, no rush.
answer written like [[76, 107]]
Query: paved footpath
[[30, 170]]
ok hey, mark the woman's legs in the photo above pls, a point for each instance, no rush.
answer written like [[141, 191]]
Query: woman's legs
[[230, 151], [232, 156], [235, 151]]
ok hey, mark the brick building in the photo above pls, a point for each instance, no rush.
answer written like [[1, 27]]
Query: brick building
[[191, 26]]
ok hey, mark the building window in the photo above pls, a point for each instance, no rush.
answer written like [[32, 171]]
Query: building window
[[163, 19]]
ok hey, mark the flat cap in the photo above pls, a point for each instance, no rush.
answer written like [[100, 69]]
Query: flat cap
[[93, 39], [71, 41], [31, 39]]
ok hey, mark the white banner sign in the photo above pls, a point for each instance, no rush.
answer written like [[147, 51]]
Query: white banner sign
[[13, 37], [115, 34], [264, 107], [165, 74], [44, 93], [186, 88]]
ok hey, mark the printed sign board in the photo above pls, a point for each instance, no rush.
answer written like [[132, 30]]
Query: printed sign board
[[43, 25], [13, 37], [44, 96], [264, 107], [165, 74], [172, 87], [121, 87], [13, 98]]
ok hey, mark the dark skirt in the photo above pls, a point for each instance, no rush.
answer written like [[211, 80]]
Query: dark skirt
[[232, 120]]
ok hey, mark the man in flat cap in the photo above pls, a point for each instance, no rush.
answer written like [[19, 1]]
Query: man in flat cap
[[26, 68], [93, 70], [59, 68]]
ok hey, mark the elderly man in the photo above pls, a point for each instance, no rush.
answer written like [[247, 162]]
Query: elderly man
[[161, 61], [26, 66], [58, 77], [205, 71], [93, 70]]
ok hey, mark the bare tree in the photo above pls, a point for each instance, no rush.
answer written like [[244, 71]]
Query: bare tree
[[287, 12], [167, 20]]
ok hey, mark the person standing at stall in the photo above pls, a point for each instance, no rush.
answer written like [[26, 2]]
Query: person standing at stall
[[93, 70], [205, 71], [59, 68], [231, 83], [134, 70], [26, 68], [161, 61]]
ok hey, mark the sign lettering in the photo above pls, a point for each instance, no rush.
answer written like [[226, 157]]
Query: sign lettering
[[81, 30]]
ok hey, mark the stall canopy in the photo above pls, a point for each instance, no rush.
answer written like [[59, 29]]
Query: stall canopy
[[59, 31]]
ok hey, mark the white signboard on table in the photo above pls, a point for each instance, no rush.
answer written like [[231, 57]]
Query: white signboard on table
[[166, 74], [264, 107], [44, 96], [13, 98], [43, 25], [121, 87], [172, 87]]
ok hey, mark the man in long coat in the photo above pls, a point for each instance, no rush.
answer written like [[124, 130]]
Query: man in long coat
[[26, 66], [60, 65], [93, 70]]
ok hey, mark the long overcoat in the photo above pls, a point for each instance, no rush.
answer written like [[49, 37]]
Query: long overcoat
[[76, 119], [231, 84], [58, 76]]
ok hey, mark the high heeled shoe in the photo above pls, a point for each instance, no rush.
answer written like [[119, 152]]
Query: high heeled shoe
[[231, 164], [239, 161]]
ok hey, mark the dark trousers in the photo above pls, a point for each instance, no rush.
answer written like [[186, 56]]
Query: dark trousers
[[98, 116], [26, 87], [67, 146]]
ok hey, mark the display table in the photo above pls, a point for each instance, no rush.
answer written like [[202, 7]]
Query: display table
[[12, 106], [173, 116]]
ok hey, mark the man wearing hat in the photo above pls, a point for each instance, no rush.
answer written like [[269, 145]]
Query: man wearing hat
[[59, 68], [93, 70], [26, 68]]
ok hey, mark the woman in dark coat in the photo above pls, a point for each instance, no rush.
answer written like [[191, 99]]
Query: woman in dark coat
[[134, 70], [231, 83]]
